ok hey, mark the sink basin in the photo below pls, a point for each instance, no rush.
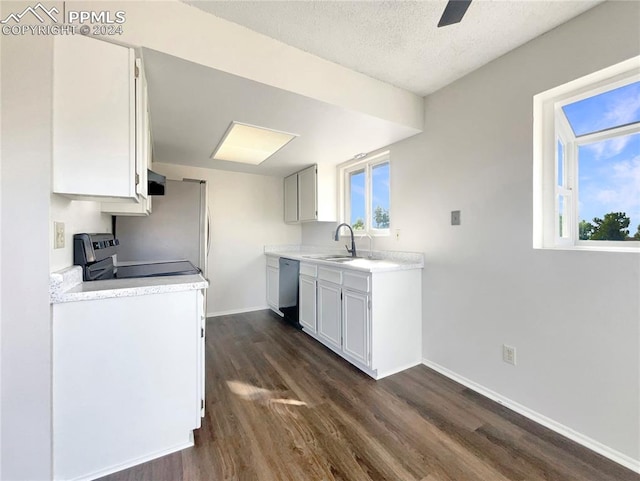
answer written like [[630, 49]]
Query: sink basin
[[344, 259], [353, 261], [367, 263], [334, 257]]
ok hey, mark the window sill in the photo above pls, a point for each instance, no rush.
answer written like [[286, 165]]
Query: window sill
[[635, 249]]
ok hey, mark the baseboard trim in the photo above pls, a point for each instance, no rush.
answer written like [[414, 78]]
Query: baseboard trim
[[137, 461], [396, 370], [237, 311], [616, 456]]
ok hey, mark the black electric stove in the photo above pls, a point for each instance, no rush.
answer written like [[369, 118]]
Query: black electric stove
[[95, 254]]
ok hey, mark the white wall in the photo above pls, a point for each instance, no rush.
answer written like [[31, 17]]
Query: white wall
[[78, 216], [25, 351], [246, 213], [574, 317], [0, 256]]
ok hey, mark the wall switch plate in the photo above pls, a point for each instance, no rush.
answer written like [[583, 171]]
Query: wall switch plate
[[455, 217], [397, 234], [509, 354], [58, 236]]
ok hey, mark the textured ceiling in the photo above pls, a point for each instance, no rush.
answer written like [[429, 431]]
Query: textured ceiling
[[397, 41]]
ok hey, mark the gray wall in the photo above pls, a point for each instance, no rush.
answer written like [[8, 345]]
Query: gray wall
[[573, 316], [246, 213], [25, 357]]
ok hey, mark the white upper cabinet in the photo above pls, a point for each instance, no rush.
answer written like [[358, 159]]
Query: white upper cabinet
[[291, 199], [316, 195], [96, 155], [143, 153], [308, 194]]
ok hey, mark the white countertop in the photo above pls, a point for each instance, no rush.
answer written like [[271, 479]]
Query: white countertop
[[376, 261], [67, 286]]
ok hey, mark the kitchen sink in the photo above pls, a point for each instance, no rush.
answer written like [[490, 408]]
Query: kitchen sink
[[340, 259], [353, 261], [334, 257]]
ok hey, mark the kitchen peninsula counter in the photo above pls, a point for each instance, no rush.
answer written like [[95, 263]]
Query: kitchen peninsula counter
[[67, 286]]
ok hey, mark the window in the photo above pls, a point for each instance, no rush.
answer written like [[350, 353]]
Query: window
[[366, 195], [587, 162]]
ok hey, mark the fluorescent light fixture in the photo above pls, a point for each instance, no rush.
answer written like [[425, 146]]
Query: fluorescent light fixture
[[250, 144]]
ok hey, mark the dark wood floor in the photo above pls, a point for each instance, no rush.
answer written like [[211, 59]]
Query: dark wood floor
[[282, 407]]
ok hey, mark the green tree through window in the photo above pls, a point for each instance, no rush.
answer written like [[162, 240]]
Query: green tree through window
[[613, 226]]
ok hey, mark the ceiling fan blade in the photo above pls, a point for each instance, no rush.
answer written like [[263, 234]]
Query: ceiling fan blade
[[453, 12]]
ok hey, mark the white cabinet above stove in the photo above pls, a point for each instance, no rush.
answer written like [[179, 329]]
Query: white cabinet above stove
[[97, 127]]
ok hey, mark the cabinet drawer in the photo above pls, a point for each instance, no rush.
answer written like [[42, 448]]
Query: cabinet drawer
[[273, 262], [358, 282], [330, 275], [310, 270]]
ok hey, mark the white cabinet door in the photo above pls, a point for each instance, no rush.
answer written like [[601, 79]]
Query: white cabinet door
[[94, 127], [143, 154], [125, 381], [355, 325], [273, 287], [307, 302], [291, 199], [142, 208], [307, 194], [329, 314], [200, 304], [143, 144]]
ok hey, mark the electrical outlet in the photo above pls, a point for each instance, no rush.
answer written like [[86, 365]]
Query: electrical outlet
[[509, 354], [397, 234], [455, 217], [58, 229]]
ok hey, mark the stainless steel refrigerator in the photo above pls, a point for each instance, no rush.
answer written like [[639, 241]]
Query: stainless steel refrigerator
[[178, 227]]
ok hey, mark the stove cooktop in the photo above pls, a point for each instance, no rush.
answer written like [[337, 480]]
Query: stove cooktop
[[177, 268]]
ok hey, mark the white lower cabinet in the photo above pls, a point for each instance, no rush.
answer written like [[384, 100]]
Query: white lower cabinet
[[330, 314], [127, 380], [307, 303], [273, 287], [373, 320], [355, 325]]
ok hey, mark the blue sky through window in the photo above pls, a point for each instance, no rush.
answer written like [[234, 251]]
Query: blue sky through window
[[380, 190], [608, 170], [609, 179], [357, 197], [610, 109], [379, 193]]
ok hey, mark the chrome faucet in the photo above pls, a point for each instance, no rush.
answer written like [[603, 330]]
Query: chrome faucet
[[351, 251]]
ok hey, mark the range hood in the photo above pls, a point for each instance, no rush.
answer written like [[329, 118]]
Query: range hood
[[155, 183]]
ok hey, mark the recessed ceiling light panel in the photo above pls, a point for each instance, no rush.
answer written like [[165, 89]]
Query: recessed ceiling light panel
[[250, 144]]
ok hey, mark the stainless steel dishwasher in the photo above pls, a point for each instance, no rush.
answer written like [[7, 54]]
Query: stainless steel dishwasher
[[288, 298]]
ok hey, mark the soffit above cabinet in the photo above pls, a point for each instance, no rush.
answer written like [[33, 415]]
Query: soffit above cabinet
[[192, 105]]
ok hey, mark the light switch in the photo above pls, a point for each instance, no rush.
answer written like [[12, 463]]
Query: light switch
[[455, 217]]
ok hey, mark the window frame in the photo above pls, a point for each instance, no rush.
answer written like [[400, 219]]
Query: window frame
[[552, 126], [367, 165]]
